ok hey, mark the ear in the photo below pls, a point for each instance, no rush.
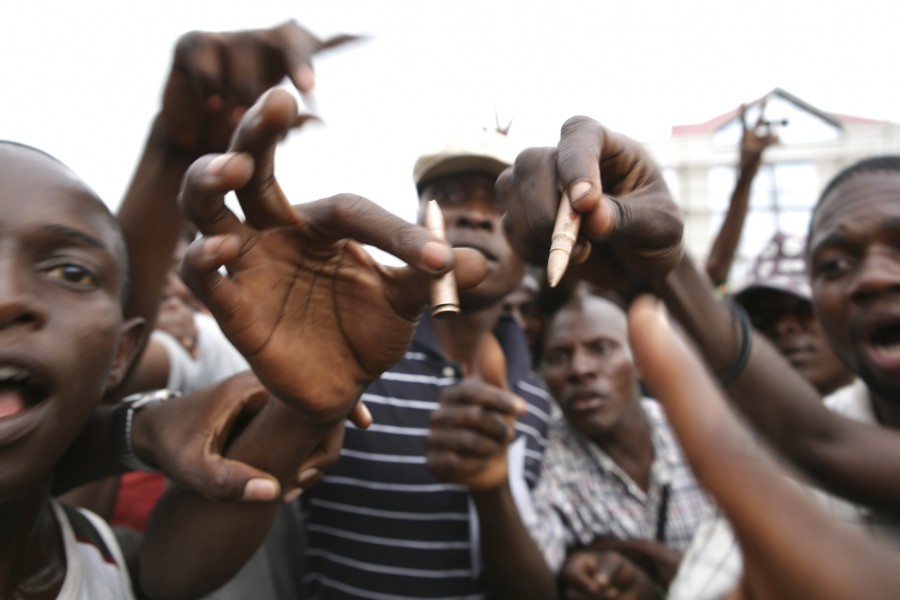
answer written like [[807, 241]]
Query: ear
[[130, 343]]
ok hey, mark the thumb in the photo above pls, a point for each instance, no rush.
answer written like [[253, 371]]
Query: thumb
[[233, 480], [487, 364]]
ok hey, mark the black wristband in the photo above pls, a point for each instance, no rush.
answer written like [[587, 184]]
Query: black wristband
[[743, 355]]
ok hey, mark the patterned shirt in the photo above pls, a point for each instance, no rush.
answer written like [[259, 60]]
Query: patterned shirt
[[584, 495], [379, 525]]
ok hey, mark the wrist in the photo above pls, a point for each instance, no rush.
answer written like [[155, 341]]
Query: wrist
[[170, 150], [496, 496], [131, 437]]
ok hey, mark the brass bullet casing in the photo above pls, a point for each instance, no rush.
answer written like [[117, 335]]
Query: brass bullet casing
[[565, 234], [444, 295]]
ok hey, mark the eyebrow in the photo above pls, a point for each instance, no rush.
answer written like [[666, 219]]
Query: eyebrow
[[75, 234], [843, 237]]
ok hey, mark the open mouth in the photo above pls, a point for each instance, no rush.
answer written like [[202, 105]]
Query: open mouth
[[881, 341], [886, 341], [19, 390]]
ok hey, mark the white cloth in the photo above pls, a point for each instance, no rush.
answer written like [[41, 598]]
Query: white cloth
[[93, 572], [216, 358]]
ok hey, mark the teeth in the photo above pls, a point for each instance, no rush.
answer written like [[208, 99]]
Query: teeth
[[10, 373], [889, 351]]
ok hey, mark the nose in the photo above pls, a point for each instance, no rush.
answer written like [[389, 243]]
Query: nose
[[879, 273], [478, 213], [582, 365], [19, 304], [784, 325]]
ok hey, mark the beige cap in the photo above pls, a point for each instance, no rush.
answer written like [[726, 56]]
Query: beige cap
[[487, 152]]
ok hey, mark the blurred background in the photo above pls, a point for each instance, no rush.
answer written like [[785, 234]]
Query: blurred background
[[82, 79]]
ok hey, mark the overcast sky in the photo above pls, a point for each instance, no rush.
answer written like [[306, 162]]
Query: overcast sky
[[81, 79]]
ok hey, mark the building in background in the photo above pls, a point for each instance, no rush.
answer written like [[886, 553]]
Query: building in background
[[699, 163]]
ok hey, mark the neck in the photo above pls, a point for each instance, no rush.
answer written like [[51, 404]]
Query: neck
[[32, 559], [460, 335], [835, 384], [630, 445]]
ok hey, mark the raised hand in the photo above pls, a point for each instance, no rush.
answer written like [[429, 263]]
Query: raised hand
[[315, 315], [186, 438], [755, 139], [791, 547], [472, 428], [216, 77], [629, 222]]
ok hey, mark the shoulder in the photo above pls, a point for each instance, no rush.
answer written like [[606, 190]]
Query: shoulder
[[95, 567], [656, 414]]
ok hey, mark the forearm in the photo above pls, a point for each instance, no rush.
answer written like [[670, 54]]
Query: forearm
[[152, 222], [776, 399], [724, 246], [192, 544], [514, 565], [783, 406]]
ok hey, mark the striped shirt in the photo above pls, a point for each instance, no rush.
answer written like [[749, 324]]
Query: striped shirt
[[584, 495], [379, 525]]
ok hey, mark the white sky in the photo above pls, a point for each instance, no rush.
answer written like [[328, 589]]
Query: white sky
[[81, 79]]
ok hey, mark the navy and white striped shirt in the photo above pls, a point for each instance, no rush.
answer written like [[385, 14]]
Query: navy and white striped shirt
[[379, 525]]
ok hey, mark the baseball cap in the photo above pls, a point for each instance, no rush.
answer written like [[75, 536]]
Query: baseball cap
[[487, 151], [781, 267]]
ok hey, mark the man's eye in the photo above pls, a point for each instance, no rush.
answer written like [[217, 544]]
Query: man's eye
[[449, 195], [73, 274], [555, 359], [832, 267]]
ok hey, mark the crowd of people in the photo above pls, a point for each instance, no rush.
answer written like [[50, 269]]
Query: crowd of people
[[198, 404]]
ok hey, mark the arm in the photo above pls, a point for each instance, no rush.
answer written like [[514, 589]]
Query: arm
[[467, 445], [296, 277], [207, 90], [635, 235], [724, 246], [787, 542]]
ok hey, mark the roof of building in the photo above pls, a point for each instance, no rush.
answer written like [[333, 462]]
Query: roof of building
[[716, 123]]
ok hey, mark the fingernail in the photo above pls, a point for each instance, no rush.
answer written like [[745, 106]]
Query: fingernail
[[367, 415], [437, 255], [261, 490], [215, 166], [306, 79], [292, 495], [212, 246], [579, 190], [521, 405], [581, 252], [307, 475]]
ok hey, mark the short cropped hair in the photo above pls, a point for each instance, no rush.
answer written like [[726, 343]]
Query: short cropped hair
[[125, 292], [876, 163]]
